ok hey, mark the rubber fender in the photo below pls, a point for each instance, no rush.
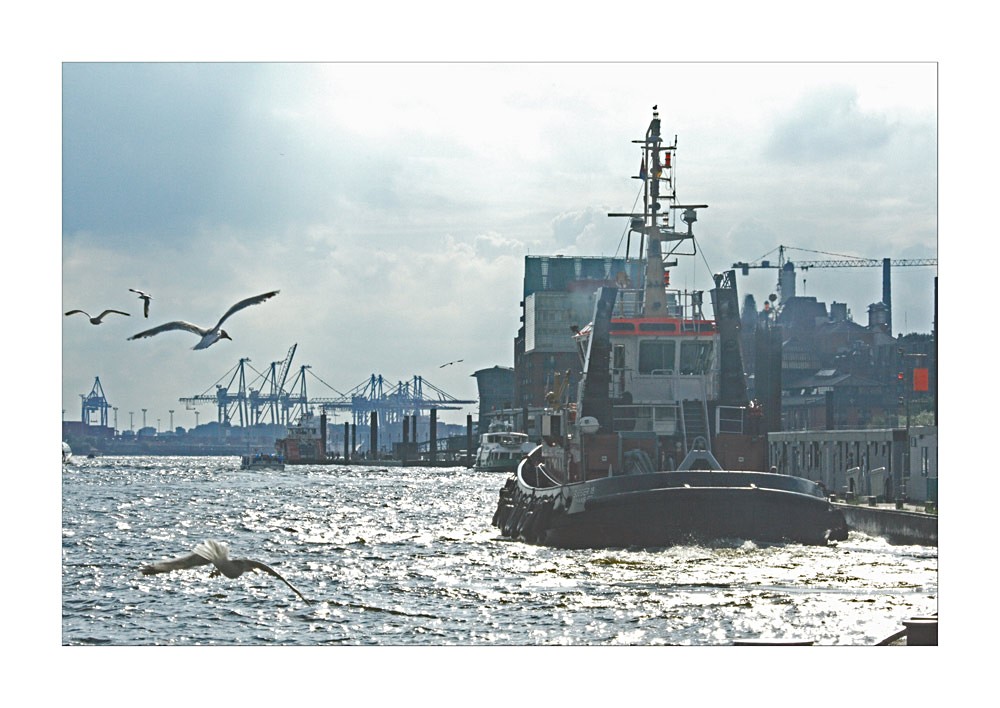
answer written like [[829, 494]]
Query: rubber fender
[[513, 520], [543, 513]]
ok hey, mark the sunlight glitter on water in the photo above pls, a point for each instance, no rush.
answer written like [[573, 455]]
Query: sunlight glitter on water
[[407, 556]]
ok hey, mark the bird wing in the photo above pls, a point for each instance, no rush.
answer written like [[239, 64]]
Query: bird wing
[[255, 300], [119, 312], [268, 569], [140, 293], [191, 560], [73, 312], [169, 326], [212, 551]]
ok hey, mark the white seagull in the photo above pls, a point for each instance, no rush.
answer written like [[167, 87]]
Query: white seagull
[[97, 320], [208, 336], [216, 553], [145, 297]]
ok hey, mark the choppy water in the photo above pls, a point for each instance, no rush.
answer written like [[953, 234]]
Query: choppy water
[[407, 556]]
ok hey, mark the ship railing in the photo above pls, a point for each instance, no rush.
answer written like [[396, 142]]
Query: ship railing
[[541, 472], [683, 304], [730, 419]]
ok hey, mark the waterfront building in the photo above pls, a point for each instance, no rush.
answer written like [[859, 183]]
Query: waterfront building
[[876, 462]]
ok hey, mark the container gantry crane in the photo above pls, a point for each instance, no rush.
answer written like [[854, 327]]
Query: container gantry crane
[[391, 403], [95, 402], [238, 403]]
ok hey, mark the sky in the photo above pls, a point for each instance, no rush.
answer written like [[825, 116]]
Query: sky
[[392, 204]]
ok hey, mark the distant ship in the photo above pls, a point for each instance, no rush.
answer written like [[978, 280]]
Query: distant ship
[[261, 461], [305, 443]]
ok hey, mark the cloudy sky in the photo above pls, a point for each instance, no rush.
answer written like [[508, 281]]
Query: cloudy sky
[[392, 204]]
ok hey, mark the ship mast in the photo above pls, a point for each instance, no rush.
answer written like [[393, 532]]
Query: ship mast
[[653, 224]]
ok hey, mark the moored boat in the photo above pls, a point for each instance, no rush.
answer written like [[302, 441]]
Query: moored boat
[[661, 444], [501, 449]]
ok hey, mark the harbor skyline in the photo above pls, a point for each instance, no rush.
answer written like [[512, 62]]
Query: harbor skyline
[[393, 204]]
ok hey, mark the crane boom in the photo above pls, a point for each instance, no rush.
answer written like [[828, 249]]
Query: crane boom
[[867, 263], [285, 366], [844, 262]]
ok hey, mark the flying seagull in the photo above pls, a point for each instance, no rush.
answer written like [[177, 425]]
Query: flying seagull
[[208, 336], [450, 363], [216, 553], [97, 320], [145, 297]]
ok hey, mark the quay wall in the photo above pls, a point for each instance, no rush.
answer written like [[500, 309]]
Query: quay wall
[[898, 527]]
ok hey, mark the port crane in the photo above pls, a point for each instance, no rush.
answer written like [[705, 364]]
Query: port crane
[[391, 403], [273, 406], [243, 403], [95, 402], [786, 268]]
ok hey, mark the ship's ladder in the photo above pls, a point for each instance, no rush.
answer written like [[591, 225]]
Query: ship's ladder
[[694, 422]]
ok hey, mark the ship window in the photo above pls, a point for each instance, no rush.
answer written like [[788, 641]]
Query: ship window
[[622, 326], [657, 327], [656, 356], [618, 357], [696, 357]]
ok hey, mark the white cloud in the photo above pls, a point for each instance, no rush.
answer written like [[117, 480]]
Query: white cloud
[[393, 204]]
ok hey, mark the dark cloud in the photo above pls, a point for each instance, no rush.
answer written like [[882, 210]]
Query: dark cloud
[[168, 149], [827, 125]]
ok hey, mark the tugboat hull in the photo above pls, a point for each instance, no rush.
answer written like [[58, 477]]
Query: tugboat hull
[[668, 508]]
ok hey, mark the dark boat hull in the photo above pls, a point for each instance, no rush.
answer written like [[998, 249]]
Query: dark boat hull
[[668, 508]]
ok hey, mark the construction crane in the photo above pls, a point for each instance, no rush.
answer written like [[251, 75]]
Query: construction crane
[[786, 268]]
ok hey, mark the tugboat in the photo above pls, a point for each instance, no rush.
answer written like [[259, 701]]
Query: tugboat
[[305, 443], [501, 449], [635, 459]]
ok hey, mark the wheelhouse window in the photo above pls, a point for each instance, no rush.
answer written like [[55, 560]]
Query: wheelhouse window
[[618, 357], [656, 356], [696, 357]]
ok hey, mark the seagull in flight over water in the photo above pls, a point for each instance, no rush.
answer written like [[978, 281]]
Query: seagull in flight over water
[[217, 554], [145, 297], [97, 320], [208, 336]]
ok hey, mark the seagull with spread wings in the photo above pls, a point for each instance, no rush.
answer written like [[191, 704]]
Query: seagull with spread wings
[[97, 320], [217, 554], [208, 336]]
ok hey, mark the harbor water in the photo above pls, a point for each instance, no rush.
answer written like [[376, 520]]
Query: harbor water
[[406, 556]]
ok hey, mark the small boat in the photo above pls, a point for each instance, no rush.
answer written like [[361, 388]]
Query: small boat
[[501, 449], [261, 461], [659, 383], [67, 453]]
